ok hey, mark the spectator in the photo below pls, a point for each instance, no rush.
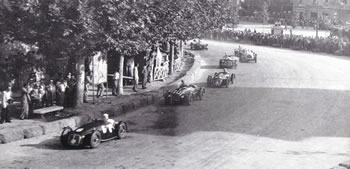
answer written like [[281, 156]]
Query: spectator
[[116, 78], [88, 82], [6, 101], [100, 89], [135, 78], [144, 77], [61, 89], [50, 93], [25, 102]]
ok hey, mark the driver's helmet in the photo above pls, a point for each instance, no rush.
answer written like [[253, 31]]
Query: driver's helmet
[[225, 70]]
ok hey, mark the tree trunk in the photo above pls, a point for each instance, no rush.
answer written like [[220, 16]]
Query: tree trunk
[[171, 59], [121, 73], [79, 96]]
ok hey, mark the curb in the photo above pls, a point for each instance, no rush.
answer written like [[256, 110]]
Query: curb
[[149, 98]]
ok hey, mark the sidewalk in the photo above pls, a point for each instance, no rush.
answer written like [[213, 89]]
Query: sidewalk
[[113, 105]]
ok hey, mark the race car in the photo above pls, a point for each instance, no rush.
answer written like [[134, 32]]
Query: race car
[[245, 55], [197, 45], [93, 133], [184, 95], [220, 79], [228, 61]]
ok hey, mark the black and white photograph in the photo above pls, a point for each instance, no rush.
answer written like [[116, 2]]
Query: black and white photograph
[[175, 84]]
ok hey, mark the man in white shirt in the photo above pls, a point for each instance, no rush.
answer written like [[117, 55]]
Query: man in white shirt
[[116, 78], [109, 123], [6, 101]]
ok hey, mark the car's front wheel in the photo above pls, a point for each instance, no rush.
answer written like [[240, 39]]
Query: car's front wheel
[[188, 99], [64, 135], [94, 139], [121, 130]]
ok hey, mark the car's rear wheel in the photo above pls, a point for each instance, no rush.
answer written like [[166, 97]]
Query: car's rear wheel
[[94, 139], [233, 76], [255, 59], [188, 99], [226, 82], [64, 135], [121, 130]]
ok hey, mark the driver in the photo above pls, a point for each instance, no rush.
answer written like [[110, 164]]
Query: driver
[[109, 122]]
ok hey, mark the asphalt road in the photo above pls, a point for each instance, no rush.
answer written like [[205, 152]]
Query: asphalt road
[[290, 110]]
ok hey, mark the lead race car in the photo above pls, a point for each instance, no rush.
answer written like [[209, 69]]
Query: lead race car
[[184, 94], [93, 133], [220, 79], [228, 61], [245, 55]]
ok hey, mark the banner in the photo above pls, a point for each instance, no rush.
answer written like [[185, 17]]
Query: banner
[[99, 68]]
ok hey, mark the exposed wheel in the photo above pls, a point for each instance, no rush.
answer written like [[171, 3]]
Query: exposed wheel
[[201, 93], [94, 139], [209, 79], [188, 99], [121, 130], [255, 59], [227, 82], [233, 76], [166, 100], [64, 135]]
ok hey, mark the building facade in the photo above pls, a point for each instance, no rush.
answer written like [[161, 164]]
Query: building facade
[[334, 10]]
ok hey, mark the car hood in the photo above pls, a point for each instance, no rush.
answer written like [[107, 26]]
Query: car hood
[[89, 126]]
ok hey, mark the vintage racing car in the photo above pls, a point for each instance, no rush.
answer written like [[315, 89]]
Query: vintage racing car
[[185, 95], [228, 61], [197, 45], [93, 133], [245, 55], [220, 79]]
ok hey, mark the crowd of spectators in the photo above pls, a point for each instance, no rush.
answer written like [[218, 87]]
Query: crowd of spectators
[[331, 44], [44, 93]]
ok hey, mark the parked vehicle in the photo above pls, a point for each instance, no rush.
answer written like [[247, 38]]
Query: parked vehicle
[[93, 133], [228, 61], [220, 79], [184, 95]]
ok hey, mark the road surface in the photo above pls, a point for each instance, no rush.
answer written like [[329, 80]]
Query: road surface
[[289, 110]]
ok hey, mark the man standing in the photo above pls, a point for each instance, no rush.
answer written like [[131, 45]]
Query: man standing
[[6, 101], [135, 77], [50, 93], [144, 77], [25, 102], [116, 78], [88, 82]]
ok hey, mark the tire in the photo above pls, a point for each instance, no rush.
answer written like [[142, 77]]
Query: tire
[[255, 59], [94, 139], [209, 79], [227, 82], [166, 100], [201, 93], [233, 76], [64, 135], [188, 99], [121, 130]]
